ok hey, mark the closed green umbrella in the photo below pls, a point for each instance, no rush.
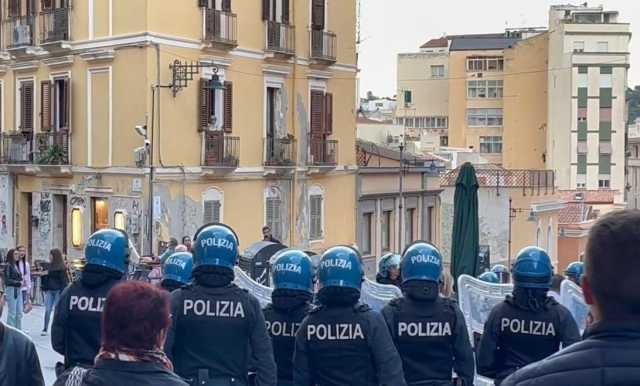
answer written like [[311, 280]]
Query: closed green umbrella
[[465, 239]]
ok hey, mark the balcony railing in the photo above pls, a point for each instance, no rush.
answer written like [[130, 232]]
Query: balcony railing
[[323, 152], [323, 45], [19, 31], [280, 38], [54, 25], [221, 150], [52, 148], [530, 181], [279, 152], [221, 27], [17, 149]]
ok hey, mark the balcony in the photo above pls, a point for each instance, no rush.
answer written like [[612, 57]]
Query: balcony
[[323, 46], [19, 34], [17, 149], [221, 153], [55, 32], [324, 153], [280, 38], [221, 29], [52, 148], [280, 152]]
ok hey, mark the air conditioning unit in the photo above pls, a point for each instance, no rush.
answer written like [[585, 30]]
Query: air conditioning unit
[[22, 35]]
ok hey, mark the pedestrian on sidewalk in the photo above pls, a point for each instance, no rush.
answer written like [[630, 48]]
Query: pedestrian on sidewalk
[[25, 270], [19, 363], [13, 280], [53, 282], [135, 323]]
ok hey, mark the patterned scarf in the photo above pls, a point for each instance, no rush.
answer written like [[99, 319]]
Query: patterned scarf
[[126, 355]]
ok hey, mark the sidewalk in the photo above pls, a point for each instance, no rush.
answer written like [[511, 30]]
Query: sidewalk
[[32, 324]]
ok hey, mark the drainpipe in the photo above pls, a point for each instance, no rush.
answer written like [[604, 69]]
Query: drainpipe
[[292, 93]]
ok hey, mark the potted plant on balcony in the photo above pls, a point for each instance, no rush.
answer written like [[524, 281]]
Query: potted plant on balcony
[[54, 156]]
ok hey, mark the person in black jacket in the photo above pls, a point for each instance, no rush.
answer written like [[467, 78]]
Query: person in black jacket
[[53, 282], [19, 363], [134, 325], [389, 270], [13, 281], [610, 351]]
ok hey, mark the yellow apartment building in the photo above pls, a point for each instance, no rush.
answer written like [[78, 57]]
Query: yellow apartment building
[[248, 107]]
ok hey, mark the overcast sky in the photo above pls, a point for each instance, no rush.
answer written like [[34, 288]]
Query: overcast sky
[[389, 27]]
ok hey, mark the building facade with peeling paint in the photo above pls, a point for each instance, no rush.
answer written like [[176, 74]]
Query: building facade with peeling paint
[[258, 129]]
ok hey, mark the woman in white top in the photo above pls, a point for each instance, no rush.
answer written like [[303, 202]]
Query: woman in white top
[[25, 270]]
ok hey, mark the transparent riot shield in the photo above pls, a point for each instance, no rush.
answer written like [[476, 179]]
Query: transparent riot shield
[[571, 297], [263, 293], [477, 298], [378, 295]]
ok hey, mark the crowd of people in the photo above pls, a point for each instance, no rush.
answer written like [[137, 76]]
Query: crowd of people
[[198, 328]]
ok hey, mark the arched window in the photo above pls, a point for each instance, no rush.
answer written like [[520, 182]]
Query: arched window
[[212, 206]]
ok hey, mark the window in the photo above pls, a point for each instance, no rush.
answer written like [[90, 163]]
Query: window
[[386, 231], [367, 224], [604, 184], [25, 108], [578, 46], [54, 104], [444, 140], [216, 106], [321, 126], [491, 144], [603, 46], [273, 211], [120, 220], [480, 64], [408, 97], [485, 89], [318, 15], [484, 117], [587, 18], [212, 206], [99, 214], [604, 164], [277, 11], [429, 224], [408, 227], [582, 164], [425, 122], [437, 71], [316, 213], [76, 227]]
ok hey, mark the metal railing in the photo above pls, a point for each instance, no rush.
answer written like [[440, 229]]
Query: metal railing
[[55, 26], [52, 148], [279, 152], [221, 150], [323, 152], [19, 31], [323, 45], [221, 27], [532, 181], [17, 149], [280, 38]]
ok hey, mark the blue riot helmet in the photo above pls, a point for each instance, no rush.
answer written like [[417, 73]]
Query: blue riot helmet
[[532, 269], [108, 248], [388, 261], [341, 266], [502, 272], [574, 271], [421, 261], [216, 245], [489, 277], [292, 269], [178, 267]]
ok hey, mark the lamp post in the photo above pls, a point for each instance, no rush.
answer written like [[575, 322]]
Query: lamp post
[[148, 143], [401, 198]]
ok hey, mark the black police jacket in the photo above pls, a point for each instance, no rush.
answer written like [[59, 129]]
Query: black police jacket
[[76, 328], [515, 337], [216, 329], [432, 339], [283, 326], [19, 364], [112, 372], [345, 346], [609, 355]]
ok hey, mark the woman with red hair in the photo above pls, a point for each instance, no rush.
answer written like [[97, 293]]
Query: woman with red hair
[[134, 326]]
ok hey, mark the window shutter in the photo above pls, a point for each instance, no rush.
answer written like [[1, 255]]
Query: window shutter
[[14, 7], [315, 207], [26, 107], [65, 119], [203, 3], [45, 105], [226, 5], [228, 107], [211, 211], [317, 17], [204, 107], [285, 11], [328, 114], [31, 7], [273, 216], [47, 4], [317, 112], [265, 9]]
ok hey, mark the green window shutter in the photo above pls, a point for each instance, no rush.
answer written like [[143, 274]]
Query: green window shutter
[[605, 131], [606, 69], [582, 131], [582, 97], [604, 164], [606, 97], [583, 69], [582, 164]]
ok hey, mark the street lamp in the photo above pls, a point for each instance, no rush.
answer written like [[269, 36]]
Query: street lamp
[[143, 131]]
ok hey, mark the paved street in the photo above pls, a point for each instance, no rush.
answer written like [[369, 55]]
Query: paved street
[[32, 324]]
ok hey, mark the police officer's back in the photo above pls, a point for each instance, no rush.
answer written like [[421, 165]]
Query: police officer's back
[[341, 342], [528, 326], [428, 330], [75, 332], [291, 297], [176, 271], [216, 325]]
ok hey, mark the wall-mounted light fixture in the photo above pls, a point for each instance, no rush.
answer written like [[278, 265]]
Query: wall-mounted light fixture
[[120, 220], [76, 227]]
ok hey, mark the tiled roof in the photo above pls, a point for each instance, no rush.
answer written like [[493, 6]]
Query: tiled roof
[[604, 196], [574, 213], [436, 43]]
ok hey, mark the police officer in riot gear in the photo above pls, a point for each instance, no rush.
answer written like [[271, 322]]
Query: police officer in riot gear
[[502, 271], [293, 281], [341, 342], [389, 270], [489, 277], [76, 331], [176, 271], [428, 330], [574, 271], [216, 325], [527, 326]]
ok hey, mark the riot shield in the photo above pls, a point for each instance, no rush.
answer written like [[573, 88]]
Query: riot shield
[[571, 297], [378, 295], [263, 293]]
